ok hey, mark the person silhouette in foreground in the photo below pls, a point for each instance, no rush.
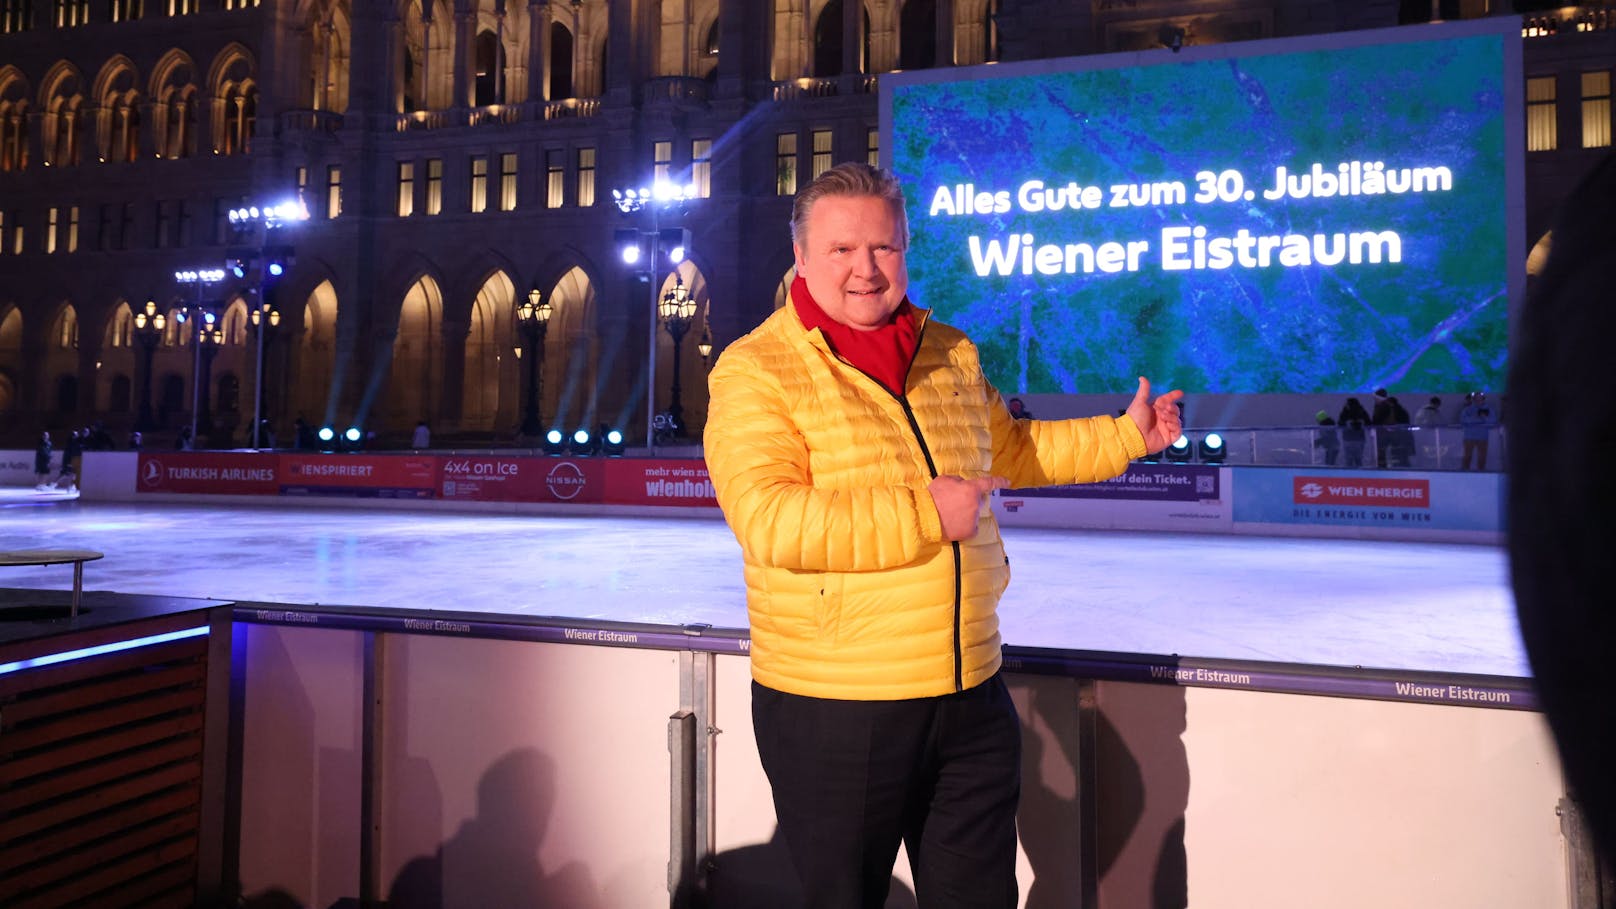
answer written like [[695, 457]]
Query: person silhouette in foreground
[[1562, 493]]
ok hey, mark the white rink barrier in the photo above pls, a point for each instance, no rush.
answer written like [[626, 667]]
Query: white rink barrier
[[491, 758]]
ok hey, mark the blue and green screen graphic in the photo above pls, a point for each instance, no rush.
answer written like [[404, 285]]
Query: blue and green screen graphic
[[1318, 221]]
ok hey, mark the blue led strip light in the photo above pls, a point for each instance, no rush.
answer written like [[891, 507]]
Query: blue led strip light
[[69, 655]]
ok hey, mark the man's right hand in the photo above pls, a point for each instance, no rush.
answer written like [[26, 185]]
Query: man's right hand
[[959, 503]]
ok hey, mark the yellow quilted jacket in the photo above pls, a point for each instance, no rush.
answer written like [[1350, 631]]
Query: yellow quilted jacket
[[822, 474]]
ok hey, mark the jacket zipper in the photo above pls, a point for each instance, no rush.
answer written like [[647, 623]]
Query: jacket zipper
[[925, 451]]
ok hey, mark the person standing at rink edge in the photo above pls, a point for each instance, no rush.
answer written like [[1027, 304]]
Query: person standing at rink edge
[[853, 443]]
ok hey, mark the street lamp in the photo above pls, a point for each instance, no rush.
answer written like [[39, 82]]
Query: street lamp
[[202, 319], [533, 318], [705, 348], [149, 325], [677, 309], [209, 337], [662, 196], [264, 322], [266, 219]]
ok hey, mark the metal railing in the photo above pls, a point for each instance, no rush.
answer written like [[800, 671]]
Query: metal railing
[[1392, 447]]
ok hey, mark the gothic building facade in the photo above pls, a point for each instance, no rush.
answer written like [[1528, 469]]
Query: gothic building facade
[[457, 158]]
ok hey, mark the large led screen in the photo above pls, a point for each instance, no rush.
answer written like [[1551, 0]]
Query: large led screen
[[1267, 218]]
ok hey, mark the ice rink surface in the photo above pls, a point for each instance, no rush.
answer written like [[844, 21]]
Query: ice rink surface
[[1393, 605]]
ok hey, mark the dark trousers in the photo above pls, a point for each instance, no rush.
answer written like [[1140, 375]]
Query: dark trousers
[[851, 779]]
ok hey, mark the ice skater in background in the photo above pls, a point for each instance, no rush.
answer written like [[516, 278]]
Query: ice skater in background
[[42, 459], [854, 443], [1354, 435]]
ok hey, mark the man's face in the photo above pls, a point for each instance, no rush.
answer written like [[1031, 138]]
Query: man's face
[[852, 257]]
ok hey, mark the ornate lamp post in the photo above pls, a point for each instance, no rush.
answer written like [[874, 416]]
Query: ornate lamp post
[[533, 319], [705, 348], [209, 337], [149, 325], [264, 322], [677, 309]]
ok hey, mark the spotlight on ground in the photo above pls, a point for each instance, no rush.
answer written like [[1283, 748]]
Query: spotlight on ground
[[1179, 452], [328, 438], [353, 439], [583, 443], [1213, 450], [612, 442], [555, 443]]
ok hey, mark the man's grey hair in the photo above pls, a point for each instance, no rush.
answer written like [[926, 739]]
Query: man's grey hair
[[851, 178]]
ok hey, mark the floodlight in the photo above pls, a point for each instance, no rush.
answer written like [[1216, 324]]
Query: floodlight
[[1179, 452], [676, 240], [554, 443], [1213, 451], [612, 442], [583, 443]]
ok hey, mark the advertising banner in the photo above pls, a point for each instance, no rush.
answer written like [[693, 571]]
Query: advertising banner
[[1370, 498], [1179, 497], [659, 482], [220, 473], [1140, 483], [508, 479], [365, 476]]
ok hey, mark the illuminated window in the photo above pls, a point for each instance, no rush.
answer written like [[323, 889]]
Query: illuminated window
[[333, 191], [1596, 109], [184, 7], [555, 177], [16, 235], [479, 183], [73, 229], [72, 12], [123, 10], [662, 162], [822, 144], [16, 16], [50, 230], [872, 147], [406, 189], [434, 185], [785, 164], [586, 177], [701, 166], [507, 181], [1541, 134]]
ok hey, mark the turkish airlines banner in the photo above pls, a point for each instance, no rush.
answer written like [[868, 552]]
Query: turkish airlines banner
[[500, 479], [659, 482], [365, 476], [220, 473]]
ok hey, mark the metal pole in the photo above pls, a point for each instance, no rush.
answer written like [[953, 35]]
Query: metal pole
[[196, 360], [258, 384], [651, 334]]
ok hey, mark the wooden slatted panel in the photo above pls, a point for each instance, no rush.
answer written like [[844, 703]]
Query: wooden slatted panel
[[100, 778], [98, 746], [181, 800]]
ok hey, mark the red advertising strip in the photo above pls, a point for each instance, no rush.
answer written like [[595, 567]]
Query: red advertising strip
[[659, 482], [208, 473], [379, 476], [497, 479], [1368, 491]]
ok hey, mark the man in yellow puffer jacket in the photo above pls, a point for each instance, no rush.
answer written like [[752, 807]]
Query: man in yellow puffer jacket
[[853, 446]]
